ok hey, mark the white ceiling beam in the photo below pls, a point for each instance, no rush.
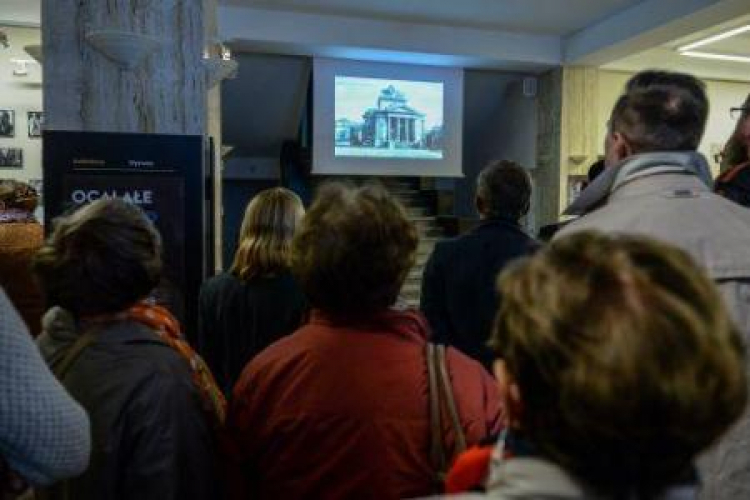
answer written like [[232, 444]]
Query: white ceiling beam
[[255, 29], [646, 25]]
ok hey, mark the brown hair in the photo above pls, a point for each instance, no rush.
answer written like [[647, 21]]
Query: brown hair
[[271, 219], [505, 189], [354, 250], [101, 259], [735, 151], [19, 195], [627, 361]]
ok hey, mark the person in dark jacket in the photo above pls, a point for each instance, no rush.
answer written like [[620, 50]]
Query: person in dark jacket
[[340, 408], [152, 414], [458, 285], [734, 181], [258, 301]]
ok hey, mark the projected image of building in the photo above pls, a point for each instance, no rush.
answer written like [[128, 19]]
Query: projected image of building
[[392, 125]]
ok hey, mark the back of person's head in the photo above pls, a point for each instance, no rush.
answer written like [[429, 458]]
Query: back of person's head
[[737, 149], [661, 111], [353, 251], [101, 259], [626, 360], [503, 190], [271, 219], [17, 195]]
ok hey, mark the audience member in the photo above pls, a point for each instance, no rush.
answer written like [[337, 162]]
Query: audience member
[[44, 433], [606, 404], [458, 295], [734, 181], [258, 301], [339, 409], [20, 237], [151, 409], [657, 184]]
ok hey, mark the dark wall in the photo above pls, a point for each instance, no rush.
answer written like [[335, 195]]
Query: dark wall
[[499, 123]]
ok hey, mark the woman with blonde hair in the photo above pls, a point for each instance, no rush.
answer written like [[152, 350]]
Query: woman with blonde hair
[[257, 301]]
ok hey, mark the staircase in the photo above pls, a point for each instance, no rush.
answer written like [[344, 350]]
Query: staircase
[[422, 216]]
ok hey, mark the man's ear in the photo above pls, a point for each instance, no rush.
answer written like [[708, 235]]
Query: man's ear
[[620, 147], [510, 394]]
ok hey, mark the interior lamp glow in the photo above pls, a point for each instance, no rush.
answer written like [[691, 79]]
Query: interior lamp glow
[[689, 49]]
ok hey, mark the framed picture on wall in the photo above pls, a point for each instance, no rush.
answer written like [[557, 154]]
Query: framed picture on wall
[[11, 158], [35, 123], [7, 123]]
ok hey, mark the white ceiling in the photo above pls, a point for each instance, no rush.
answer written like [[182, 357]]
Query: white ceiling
[[522, 35], [549, 17], [22, 12], [666, 55]]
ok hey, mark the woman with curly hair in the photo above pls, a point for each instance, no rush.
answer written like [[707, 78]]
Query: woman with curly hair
[[20, 237], [153, 405], [340, 408]]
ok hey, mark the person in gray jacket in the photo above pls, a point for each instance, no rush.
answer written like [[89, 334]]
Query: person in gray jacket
[[44, 433], [657, 184]]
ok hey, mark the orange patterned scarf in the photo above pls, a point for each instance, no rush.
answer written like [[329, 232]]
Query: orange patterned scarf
[[168, 328]]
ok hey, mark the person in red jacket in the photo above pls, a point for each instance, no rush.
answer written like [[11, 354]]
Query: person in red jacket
[[340, 409]]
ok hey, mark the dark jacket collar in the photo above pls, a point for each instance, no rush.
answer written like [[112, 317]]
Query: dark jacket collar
[[638, 166]]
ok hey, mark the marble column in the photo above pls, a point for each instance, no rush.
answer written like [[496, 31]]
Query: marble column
[[547, 175], [84, 90]]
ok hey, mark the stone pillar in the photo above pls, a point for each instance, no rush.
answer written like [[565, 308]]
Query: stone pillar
[[213, 128], [547, 200], [84, 90]]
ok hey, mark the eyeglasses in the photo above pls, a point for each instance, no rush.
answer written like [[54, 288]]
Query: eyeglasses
[[737, 113]]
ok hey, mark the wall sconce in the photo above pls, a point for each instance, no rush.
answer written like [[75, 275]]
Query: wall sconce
[[34, 51], [218, 64], [126, 49], [21, 66]]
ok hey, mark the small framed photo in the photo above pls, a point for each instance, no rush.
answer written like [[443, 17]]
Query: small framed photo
[[7, 123], [35, 123], [11, 158]]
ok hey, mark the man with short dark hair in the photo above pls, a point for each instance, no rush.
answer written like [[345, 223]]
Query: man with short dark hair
[[657, 184], [458, 286]]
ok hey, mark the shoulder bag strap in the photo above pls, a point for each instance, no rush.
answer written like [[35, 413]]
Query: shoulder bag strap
[[450, 401], [437, 448], [82, 342]]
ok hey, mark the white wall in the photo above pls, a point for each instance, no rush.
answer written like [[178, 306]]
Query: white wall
[[21, 94], [722, 95]]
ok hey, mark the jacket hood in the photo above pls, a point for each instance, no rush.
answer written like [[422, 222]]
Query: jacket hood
[[58, 332], [640, 165]]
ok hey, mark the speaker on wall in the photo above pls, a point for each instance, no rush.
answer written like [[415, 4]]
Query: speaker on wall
[[529, 86]]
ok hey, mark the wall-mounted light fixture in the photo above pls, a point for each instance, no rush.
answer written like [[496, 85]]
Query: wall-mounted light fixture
[[126, 49], [34, 51], [218, 63], [21, 66]]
